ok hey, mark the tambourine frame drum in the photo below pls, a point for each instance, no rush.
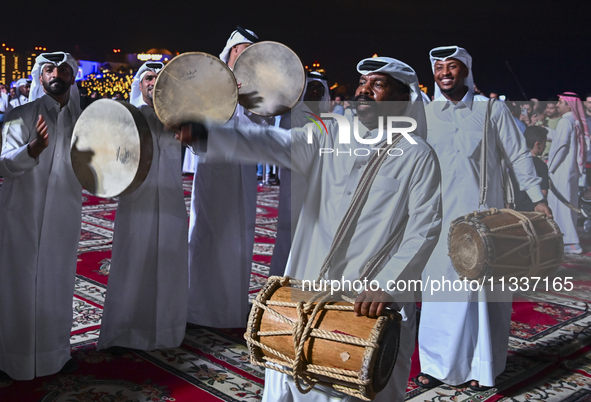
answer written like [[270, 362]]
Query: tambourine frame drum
[[111, 148], [195, 87], [505, 244], [272, 78], [361, 369]]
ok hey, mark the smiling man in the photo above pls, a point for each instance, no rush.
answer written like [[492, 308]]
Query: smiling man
[[40, 217], [403, 200], [461, 340], [145, 306]]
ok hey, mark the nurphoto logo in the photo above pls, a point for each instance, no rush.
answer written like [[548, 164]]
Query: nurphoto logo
[[394, 125]]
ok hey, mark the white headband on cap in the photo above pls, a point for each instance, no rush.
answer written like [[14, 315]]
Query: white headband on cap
[[135, 96], [57, 59], [444, 53], [404, 73], [235, 39]]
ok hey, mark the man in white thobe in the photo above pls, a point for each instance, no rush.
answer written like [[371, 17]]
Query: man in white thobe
[[406, 186], [292, 190], [40, 219], [145, 306], [22, 89], [565, 165], [461, 336], [221, 232]]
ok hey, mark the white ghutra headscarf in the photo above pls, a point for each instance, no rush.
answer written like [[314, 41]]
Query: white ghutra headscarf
[[240, 35], [404, 73], [57, 59], [444, 53], [135, 96]]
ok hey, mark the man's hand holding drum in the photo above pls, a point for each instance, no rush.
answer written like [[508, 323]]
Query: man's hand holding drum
[[372, 303]]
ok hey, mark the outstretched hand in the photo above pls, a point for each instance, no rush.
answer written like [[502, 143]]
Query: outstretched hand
[[40, 142]]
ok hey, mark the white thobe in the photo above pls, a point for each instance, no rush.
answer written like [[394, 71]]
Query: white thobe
[[408, 185], [221, 239], [40, 214], [21, 100], [4, 102], [461, 336], [145, 306], [292, 193], [564, 173], [190, 162]]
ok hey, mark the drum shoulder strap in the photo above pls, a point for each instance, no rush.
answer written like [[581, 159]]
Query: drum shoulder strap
[[508, 193], [358, 201]]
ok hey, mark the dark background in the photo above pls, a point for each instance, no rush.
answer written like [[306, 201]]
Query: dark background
[[547, 43]]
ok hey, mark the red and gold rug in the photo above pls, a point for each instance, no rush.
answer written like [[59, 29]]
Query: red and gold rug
[[549, 359]]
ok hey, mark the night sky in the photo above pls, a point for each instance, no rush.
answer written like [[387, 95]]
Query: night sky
[[546, 42]]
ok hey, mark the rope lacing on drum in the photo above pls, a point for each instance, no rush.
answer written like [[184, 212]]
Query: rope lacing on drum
[[301, 331]]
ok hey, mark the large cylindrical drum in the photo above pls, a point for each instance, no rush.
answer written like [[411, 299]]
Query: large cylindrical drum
[[354, 355], [111, 148], [503, 244]]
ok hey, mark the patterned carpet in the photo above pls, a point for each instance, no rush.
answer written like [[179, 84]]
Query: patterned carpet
[[549, 359]]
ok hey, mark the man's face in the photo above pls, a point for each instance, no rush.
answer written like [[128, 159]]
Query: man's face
[[494, 95], [539, 147], [587, 105], [314, 91], [550, 110], [56, 80], [241, 47], [338, 100], [25, 89], [147, 87], [374, 92], [450, 75], [562, 107]]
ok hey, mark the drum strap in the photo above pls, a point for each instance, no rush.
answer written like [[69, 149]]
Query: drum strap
[[509, 195], [352, 214]]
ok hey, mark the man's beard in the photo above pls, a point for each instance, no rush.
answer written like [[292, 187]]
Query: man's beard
[[56, 86]]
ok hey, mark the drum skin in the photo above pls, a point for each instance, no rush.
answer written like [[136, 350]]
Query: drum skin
[[195, 87], [272, 78], [483, 245], [376, 366], [111, 148]]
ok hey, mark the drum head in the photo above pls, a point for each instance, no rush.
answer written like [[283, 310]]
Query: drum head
[[111, 148], [272, 78], [195, 87]]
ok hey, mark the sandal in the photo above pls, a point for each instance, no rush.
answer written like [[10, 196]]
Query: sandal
[[478, 388], [433, 382]]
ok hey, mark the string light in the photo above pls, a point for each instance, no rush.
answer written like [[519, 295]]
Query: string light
[[108, 83]]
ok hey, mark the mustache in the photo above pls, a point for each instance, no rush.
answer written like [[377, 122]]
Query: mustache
[[57, 80], [364, 98]]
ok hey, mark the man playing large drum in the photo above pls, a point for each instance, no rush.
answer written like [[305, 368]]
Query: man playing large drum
[[145, 306], [463, 335], [405, 188], [40, 216]]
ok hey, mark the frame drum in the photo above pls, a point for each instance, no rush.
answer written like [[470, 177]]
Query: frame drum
[[272, 78], [111, 148], [195, 86]]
